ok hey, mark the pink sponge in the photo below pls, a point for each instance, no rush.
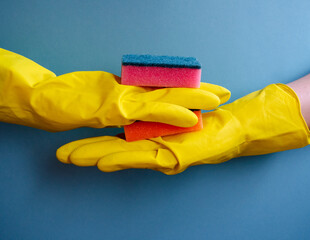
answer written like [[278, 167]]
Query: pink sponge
[[160, 71]]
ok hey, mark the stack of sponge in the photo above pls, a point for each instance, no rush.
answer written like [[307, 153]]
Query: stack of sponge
[[159, 71]]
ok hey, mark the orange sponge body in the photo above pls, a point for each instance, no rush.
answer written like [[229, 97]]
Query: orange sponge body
[[144, 130]]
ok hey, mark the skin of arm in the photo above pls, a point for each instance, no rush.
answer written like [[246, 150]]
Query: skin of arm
[[302, 88]]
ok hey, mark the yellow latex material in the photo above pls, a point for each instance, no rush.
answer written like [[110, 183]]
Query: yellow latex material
[[34, 96], [262, 122]]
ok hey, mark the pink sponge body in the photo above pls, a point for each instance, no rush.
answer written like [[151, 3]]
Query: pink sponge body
[[150, 76], [144, 130]]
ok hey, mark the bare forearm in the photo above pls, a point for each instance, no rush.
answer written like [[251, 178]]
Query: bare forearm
[[302, 88]]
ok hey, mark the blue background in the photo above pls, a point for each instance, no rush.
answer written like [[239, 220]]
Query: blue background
[[243, 45]]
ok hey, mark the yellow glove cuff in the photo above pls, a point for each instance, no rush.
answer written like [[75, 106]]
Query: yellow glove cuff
[[272, 121]]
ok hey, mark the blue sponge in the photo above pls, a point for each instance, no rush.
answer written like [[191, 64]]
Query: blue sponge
[[160, 61]]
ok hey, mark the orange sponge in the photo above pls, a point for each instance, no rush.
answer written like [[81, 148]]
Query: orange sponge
[[143, 130]]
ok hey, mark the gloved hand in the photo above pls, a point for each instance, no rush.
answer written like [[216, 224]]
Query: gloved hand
[[262, 122], [33, 96]]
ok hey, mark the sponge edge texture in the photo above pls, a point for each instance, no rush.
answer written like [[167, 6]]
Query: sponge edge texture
[[145, 130], [160, 61], [160, 71]]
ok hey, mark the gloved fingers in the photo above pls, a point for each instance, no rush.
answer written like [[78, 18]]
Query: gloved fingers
[[64, 151], [160, 112], [162, 160], [222, 93], [87, 152], [191, 98]]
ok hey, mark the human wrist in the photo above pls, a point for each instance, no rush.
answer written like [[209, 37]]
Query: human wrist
[[301, 87]]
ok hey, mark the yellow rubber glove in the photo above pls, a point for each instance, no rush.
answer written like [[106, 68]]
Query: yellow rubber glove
[[262, 122], [33, 96]]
